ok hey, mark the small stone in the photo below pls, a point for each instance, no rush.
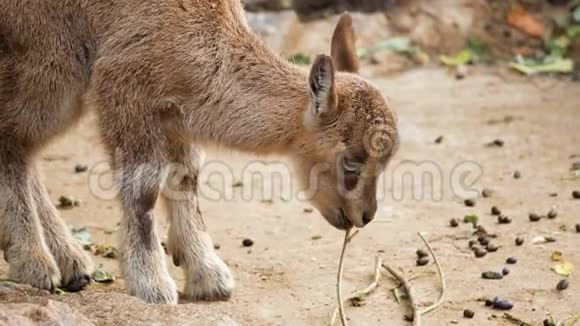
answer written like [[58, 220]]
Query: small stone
[[534, 217], [504, 219], [495, 143], [468, 313], [519, 241], [216, 246], [495, 210], [80, 168], [484, 241], [479, 252], [469, 202], [248, 242], [486, 193], [491, 247], [502, 304], [471, 243], [576, 194], [439, 140], [517, 174], [511, 260], [453, 222], [562, 285], [505, 271], [308, 210], [422, 261], [490, 275], [421, 253], [488, 302], [578, 227], [552, 213], [548, 322]]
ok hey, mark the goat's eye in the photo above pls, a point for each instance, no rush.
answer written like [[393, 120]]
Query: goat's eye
[[351, 167]]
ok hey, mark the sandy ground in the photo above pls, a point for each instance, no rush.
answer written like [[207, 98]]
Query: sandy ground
[[288, 276]]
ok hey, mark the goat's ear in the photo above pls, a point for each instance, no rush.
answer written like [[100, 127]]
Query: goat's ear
[[323, 98], [343, 49]]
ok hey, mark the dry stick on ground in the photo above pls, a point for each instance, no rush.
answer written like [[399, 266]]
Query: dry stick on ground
[[441, 277], [410, 293], [409, 288], [365, 292]]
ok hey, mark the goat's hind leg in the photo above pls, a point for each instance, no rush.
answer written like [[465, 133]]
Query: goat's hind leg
[[21, 235], [75, 265]]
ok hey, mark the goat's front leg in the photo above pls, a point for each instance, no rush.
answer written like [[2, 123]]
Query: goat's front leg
[[207, 276], [142, 257], [75, 265]]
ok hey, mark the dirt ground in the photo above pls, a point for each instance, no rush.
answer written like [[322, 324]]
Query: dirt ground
[[288, 276]]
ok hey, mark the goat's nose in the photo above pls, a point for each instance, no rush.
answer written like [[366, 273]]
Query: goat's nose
[[369, 214], [368, 217]]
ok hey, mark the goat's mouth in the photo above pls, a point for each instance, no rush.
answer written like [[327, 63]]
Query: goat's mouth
[[344, 222]]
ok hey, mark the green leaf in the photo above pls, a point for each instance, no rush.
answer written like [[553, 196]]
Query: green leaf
[[479, 49], [401, 45], [83, 236], [576, 14], [564, 268], [300, 59], [464, 57], [573, 31], [549, 64], [473, 219], [102, 276]]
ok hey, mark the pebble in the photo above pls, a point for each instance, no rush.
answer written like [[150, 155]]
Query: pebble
[[488, 302], [469, 202], [439, 140], [486, 193], [421, 253], [519, 241], [534, 217], [562, 285], [472, 243], [578, 227], [505, 271], [80, 168], [491, 247], [502, 304], [495, 211], [479, 252], [484, 241], [517, 174], [504, 219], [511, 260], [468, 313], [248, 242], [453, 222], [576, 194], [216, 246], [422, 261], [552, 213], [308, 210], [490, 275], [548, 322]]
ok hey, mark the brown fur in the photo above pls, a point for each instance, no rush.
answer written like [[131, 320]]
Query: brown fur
[[163, 75]]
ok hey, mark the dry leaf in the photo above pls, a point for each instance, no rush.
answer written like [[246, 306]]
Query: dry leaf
[[557, 256], [521, 19], [564, 268]]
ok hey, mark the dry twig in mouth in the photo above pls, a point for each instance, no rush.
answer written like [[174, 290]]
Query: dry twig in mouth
[[339, 280]]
